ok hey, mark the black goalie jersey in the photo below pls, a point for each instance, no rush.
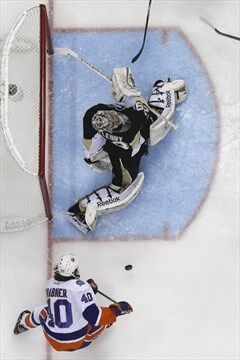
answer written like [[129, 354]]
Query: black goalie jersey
[[123, 128]]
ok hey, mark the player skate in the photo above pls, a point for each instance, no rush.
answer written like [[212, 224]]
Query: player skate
[[19, 327]]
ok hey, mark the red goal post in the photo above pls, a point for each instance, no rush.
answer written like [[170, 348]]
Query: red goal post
[[24, 198]]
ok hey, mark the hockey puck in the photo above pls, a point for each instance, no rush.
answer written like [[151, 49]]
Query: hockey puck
[[128, 267], [12, 89]]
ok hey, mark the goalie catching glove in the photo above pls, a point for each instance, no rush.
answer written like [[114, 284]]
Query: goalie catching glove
[[121, 308], [100, 166], [123, 84], [97, 159]]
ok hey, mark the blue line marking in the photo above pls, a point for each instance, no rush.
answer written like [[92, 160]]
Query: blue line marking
[[178, 170]]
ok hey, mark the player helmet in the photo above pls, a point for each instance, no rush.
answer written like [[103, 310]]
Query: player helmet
[[110, 120], [67, 266]]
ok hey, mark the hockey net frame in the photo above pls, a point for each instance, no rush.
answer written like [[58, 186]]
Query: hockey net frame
[[45, 46]]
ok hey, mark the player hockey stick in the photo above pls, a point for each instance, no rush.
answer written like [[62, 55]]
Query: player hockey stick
[[145, 33], [217, 31], [106, 296], [69, 52]]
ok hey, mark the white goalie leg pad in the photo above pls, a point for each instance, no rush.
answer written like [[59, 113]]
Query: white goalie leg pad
[[123, 83], [179, 88], [158, 130], [162, 99], [106, 200]]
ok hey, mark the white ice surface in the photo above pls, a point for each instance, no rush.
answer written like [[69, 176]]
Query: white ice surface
[[185, 293]]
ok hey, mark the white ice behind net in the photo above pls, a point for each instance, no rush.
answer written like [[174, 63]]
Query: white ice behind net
[[21, 198]]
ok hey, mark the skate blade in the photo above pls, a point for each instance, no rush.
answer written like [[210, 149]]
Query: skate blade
[[77, 223], [16, 330]]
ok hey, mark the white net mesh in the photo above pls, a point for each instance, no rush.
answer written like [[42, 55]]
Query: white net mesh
[[21, 197]]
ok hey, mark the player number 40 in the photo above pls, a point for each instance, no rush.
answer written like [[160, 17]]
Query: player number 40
[[87, 297]]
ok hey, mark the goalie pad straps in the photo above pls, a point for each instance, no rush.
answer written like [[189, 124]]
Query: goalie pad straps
[[164, 97], [123, 83], [161, 99], [107, 199], [179, 90]]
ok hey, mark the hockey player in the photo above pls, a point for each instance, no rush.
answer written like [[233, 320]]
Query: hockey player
[[71, 319], [117, 136]]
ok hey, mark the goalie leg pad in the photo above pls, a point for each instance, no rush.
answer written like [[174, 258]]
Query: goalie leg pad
[[108, 203], [107, 199], [161, 99], [179, 90], [164, 97], [158, 130]]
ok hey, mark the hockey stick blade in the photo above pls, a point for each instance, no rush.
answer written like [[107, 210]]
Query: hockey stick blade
[[61, 51], [69, 52], [145, 33], [207, 22], [218, 31]]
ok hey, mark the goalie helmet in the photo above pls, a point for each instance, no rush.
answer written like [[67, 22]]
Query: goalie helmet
[[110, 120], [67, 266]]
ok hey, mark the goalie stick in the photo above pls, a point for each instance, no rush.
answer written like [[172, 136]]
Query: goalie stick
[[145, 33], [69, 52], [217, 31], [66, 52]]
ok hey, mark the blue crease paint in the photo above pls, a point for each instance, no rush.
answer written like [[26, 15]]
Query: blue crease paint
[[178, 170]]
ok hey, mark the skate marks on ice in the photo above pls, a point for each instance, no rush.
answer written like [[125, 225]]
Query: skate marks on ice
[[179, 170]]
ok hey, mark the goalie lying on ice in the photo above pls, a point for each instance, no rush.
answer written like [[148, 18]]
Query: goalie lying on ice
[[115, 139]]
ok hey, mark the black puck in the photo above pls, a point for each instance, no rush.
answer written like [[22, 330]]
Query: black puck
[[128, 267], [12, 89]]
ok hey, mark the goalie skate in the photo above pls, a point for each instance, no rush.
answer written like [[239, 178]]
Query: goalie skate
[[78, 220]]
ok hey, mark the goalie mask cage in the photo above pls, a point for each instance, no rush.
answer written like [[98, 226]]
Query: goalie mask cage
[[24, 196]]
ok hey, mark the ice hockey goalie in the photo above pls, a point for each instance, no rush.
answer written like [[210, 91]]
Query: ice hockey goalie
[[115, 138]]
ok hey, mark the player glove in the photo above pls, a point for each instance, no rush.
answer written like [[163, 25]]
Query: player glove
[[121, 308], [93, 285]]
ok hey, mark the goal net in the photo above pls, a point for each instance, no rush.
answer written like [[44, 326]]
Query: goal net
[[24, 199]]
